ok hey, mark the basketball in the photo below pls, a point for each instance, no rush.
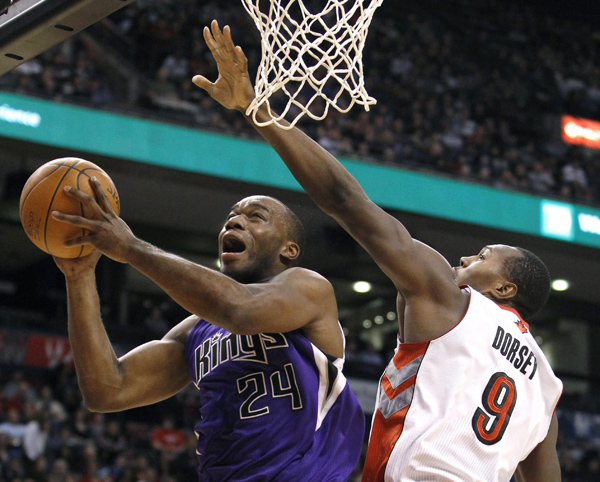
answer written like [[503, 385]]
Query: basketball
[[44, 192]]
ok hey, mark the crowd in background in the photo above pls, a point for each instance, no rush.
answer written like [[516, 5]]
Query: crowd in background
[[47, 435], [473, 90]]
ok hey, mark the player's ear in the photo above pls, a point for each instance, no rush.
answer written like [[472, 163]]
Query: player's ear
[[505, 291], [290, 252]]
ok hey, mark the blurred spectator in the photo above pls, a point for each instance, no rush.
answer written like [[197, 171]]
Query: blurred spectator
[[16, 392], [574, 176], [39, 471], [48, 405], [118, 469], [540, 178], [90, 463], [176, 66], [156, 322], [111, 442], [12, 427], [14, 470], [80, 427], [185, 466], [169, 441], [35, 437], [100, 94], [59, 472]]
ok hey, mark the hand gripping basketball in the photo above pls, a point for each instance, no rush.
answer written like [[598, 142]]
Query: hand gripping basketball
[[101, 227]]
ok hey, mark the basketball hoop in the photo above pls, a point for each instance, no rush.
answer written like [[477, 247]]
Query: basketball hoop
[[311, 63]]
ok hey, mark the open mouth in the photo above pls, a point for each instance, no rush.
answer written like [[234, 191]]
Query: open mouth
[[231, 244]]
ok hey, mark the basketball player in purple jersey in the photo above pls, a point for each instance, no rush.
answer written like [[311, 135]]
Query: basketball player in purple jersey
[[264, 346]]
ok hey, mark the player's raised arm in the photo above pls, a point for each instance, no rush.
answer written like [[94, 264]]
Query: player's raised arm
[[418, 271], [150, 373]]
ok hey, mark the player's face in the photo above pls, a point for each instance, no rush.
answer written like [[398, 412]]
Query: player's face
[[251, 239], [484, 271]]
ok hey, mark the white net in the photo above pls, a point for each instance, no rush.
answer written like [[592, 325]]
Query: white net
[[310, 61]]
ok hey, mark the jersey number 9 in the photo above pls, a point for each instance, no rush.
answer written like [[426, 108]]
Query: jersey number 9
[[499, 398]]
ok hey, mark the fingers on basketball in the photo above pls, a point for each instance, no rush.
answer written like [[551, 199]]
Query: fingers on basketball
[[82, 197], [101, 197]]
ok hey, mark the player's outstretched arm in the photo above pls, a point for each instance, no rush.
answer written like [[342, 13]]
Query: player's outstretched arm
[[150, 373], [415, 268], [542, 464], [330, 185]]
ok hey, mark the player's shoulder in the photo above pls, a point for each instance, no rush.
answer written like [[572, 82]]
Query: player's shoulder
[[309, 281], [300, 274], [180, 332]]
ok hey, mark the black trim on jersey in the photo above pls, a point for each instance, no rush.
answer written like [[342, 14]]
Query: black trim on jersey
[[332, 373], [331, 358]]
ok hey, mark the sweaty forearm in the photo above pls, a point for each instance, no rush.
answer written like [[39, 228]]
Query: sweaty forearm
[[95, 361], [321, 175]]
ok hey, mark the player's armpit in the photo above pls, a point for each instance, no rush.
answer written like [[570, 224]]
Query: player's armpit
[[542, 464]]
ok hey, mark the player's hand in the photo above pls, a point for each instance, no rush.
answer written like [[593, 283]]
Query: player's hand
[[233, 89], [104, 230]]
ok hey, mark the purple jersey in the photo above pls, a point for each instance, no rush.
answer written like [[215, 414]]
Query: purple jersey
[[273, 407]]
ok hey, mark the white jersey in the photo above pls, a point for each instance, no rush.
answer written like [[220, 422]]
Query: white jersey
[[465, 407]]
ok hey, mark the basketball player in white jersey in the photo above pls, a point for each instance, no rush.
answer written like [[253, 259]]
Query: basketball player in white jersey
[[468, 396]]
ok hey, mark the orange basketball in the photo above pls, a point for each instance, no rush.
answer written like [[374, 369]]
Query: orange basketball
[[44, 192]]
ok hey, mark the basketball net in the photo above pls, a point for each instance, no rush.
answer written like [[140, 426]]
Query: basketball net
[[311, 60]]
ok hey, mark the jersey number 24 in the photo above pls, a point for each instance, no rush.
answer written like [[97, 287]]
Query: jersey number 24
[[255, 385]]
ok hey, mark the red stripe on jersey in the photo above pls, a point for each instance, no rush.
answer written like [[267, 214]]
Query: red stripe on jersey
[[521, 323], [384, 435], [390, 391], [386, 432], [407, 352]]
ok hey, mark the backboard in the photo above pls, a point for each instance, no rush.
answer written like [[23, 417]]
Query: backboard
[[29, 27]]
